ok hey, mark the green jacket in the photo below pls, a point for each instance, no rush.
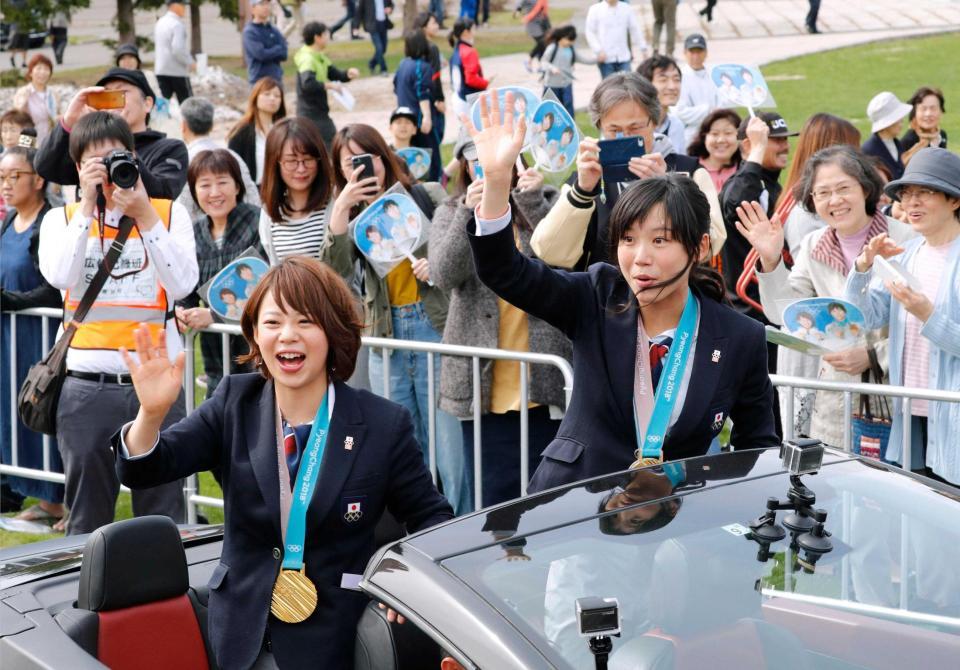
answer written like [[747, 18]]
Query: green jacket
[[340, 253], [307, 59]]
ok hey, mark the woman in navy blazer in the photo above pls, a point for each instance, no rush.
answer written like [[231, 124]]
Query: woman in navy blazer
[[304, 334], [659, 232]]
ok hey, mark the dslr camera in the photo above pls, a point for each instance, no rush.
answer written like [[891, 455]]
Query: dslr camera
[[123, 169]]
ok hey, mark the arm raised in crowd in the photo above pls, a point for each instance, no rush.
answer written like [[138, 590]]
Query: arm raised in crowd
[[557, 297]]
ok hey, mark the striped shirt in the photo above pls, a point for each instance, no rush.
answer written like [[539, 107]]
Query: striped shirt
[[299, 237], [929, 265]]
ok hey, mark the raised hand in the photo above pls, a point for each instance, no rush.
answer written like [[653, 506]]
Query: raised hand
[[589, 169], [880, 245], [529, 179], [913, 301], [763, 233], [156, 380], [499, 139]]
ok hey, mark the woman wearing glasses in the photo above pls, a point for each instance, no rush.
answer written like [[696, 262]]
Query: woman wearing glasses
[[839, 184], [22, 286], [296, 191]]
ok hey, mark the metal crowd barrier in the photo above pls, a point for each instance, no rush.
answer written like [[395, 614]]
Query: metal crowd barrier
[[194, 499]]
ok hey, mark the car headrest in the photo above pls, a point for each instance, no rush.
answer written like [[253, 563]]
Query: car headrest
[[132, 562], [381, 645]]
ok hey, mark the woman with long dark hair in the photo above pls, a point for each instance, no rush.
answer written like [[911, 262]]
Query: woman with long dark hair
[[659, 361], [405, 304], [248, 137], [296, 191]]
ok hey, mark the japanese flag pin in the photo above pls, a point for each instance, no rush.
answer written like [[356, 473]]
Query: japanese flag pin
[[715, 356], [348, 443], [717, 421]]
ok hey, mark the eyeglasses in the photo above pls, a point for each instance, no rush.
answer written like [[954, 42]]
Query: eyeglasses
[[13, 177], [291, 163], [630, 131], [918, 192], [825, 194]]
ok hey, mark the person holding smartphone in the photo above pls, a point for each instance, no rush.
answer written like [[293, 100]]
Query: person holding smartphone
[[405, 304], [575, 232], [659, 361], [163, 160]]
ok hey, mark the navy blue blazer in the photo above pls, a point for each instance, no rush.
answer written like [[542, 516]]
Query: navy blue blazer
[[235, 431], [597, 435], [874, 146]]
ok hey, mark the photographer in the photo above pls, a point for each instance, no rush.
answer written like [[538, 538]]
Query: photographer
[[158, 265], [163, 161]]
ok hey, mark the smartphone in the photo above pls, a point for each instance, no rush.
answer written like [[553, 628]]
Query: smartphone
[[478, 170], [106, 99], [366, 160], [615, 156]]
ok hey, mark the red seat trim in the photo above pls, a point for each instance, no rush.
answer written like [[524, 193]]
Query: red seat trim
[[155, 636]]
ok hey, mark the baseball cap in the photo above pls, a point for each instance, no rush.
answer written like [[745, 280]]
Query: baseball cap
[[403, 113], [776, 123], [933, 167], [695, 41], [465, 148], [135, 77], [885, 109]]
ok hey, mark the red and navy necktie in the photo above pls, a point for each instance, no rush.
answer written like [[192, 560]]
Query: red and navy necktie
[[658, 351], [294, 438]]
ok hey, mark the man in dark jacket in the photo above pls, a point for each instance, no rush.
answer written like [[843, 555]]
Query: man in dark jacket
[[374, 16], [163, 161], [765, 148], [264, 46]]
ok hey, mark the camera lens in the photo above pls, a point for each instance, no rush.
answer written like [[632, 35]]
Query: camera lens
[[124, 174]]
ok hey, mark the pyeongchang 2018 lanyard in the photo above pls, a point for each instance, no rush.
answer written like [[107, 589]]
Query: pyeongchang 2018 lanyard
[[652, 412], [294, 596]]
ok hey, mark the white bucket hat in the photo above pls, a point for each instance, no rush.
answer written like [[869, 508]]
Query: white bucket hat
[[885, 109]]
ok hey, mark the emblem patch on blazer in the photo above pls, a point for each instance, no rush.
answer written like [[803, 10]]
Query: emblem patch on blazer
[[715, 356], [353, 513], [348, 443], [717, 421]]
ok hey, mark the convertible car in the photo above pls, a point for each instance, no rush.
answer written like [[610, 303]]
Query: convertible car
[[726, 561]]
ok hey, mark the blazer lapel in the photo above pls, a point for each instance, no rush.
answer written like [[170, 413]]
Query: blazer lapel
[[620, 351], [338, 460], [263, 453], [706, 371]]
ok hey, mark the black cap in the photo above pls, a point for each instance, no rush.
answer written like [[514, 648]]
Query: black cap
[[403, 113], [178, 2], [135, 77], [776, 123], [695, 41], [126, 50]]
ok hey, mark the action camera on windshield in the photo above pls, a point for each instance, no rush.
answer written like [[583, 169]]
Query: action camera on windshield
[[598, 616], [801, 457]]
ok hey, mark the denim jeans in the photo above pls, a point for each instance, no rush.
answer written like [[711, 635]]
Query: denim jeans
[[379, 39], [607, 69], [408, 387], [349, 16], [437, 9], [564, 95]]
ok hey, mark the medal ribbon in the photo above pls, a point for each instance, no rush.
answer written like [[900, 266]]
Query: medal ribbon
[[308, 473], [651, 413]]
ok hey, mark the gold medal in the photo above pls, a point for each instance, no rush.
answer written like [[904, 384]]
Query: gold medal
[[642, 462], [294, 596]]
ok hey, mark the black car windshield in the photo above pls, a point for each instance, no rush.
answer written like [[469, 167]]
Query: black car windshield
[[692, 591]]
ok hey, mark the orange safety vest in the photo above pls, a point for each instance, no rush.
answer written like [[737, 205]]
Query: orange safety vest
[[125, 303]]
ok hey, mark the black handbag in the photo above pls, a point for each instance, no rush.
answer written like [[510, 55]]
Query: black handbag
[[40, 394]]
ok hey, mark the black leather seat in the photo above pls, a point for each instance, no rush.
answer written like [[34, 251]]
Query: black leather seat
[[135, 608], [385, 646]]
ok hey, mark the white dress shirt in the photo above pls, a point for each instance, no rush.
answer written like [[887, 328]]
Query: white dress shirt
[[171, 253], [607, 29], [698, 97]]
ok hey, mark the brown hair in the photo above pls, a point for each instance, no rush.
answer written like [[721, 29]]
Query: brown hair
[[698, 146], [17, 116], [918, 97], [371, 142], [304, 137], [37, 60], [853, 163], [819, 132], [215, 161], [250, 116], [313, 289]]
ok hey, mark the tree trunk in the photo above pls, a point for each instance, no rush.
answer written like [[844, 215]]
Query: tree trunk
[[125, 25], [409, 14], [196, 43]]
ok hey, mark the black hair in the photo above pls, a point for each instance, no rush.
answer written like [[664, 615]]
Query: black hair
[[560, 32], [656, 62], [834, 305], [371, 229], [687, 213], [98, 127], [423, 18], [853, 163], [243, 266], [461, 24], [225, 291], [698, 146], [608, 522], [312, 31], [416, 45], [390, 203], [30, 156], [922, 93], [566, 130]]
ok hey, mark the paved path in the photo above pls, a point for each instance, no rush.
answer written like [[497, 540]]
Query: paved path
[[748, 31]]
